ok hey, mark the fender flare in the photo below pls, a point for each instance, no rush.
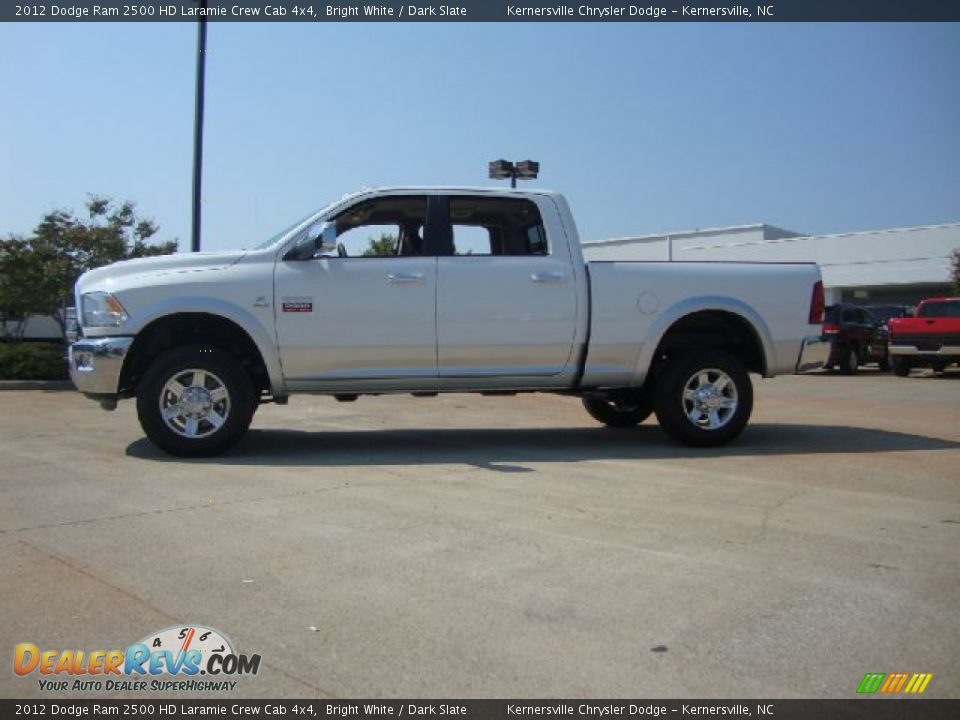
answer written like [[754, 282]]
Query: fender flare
[[228, 311], [678, 311]]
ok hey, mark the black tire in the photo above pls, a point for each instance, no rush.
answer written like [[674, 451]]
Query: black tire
[[674, 410], [900, 366], [884, 363], [619, 409], [849, 361], [217, 424], [938, 366]]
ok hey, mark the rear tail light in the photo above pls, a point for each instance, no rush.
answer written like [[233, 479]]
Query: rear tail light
[[830, 329], [817, 304]]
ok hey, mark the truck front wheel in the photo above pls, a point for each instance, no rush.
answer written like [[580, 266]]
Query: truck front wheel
[[901, 366], [195, 401], [884, 363], [850, 361], [704, 398], [619, 409]]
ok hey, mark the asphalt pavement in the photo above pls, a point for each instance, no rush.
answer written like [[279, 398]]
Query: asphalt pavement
[[471, 547]]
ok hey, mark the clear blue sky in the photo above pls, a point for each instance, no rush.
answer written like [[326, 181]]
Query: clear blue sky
[[646, 128]]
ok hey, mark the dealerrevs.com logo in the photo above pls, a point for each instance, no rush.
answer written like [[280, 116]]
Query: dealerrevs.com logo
[[192, 658]]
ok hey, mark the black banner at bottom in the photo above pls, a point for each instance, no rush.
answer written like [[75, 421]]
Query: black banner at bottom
[[874, 709]]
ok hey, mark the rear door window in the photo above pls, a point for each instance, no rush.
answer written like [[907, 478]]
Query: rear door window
[[485, 226], [950, 308]]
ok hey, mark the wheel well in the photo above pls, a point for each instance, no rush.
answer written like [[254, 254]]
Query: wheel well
[[714, 329], [181, 329]]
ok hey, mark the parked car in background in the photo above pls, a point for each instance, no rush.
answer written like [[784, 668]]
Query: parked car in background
[[856, 338], [884, 313], [931, 339]]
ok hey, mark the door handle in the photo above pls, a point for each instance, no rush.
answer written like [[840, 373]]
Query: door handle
[[548, 277], [405, 278]]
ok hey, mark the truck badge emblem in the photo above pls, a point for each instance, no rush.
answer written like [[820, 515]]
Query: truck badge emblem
[[297, 305]]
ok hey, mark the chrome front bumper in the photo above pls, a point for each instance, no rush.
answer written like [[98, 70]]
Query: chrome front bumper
[[814, 353], [95, 364]]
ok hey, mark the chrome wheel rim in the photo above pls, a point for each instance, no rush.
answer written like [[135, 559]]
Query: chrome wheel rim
[[194, 403], [709, 399]]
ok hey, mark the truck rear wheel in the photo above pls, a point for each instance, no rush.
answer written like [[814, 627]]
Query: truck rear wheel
[[704, 398], [850, 361], [619, 409], [195, 401], [901, 366]]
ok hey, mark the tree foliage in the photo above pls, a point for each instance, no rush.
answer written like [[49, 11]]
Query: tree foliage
[[37, 273], [386, 244], [956, 270], [18, 286]]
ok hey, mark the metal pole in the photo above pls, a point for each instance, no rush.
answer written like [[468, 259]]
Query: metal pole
[[513, 180], [198, 126]]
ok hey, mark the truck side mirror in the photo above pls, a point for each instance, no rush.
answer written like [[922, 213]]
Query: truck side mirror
[[321, 238], [326, 241]]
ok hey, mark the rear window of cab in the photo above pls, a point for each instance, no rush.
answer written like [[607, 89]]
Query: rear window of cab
[[948, 308]]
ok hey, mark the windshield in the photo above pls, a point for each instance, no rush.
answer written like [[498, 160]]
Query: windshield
[[288, 232]]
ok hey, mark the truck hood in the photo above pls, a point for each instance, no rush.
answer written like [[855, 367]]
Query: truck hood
[[109, 275]]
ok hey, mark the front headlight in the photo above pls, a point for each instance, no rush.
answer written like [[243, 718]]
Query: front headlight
[[101, 309]]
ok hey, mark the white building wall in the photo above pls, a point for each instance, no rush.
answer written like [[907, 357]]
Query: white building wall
[[658, 247], [909, 256], [38, 327]]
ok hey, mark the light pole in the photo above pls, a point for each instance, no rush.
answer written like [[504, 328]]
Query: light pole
[[198, 125], [503, 169]]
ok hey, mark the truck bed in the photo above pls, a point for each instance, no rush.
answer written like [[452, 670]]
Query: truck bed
[[636, 298]]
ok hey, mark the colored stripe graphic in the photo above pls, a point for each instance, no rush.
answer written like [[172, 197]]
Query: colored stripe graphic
[[918, 683], [894, 683], [870, 683], [912, 683]]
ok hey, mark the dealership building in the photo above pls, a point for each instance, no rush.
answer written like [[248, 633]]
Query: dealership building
[[900, 266]]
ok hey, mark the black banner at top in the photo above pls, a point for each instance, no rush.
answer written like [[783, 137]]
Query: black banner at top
[[484, 11]]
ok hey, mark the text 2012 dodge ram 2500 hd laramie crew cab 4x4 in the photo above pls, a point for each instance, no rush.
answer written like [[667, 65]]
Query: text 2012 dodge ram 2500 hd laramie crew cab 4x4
[[438, 290]]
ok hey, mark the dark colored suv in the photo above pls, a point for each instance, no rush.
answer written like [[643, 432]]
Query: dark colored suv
[[884, 313], [856, 338]]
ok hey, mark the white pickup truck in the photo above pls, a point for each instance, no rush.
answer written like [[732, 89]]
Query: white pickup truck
[[429, 290]]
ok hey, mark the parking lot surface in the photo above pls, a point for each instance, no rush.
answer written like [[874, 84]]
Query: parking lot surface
[[467, 546]]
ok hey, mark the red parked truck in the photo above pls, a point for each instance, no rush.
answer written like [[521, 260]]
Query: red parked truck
[[929, 339]]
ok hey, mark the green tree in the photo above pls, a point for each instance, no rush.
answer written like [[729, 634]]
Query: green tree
[[386, 244], [37, 273], [18, 289], [956, 270]]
